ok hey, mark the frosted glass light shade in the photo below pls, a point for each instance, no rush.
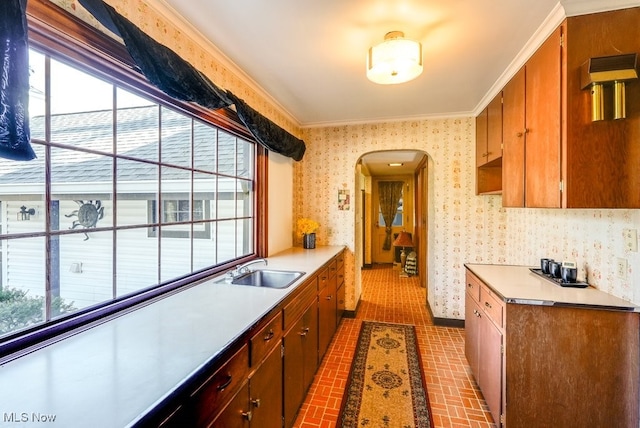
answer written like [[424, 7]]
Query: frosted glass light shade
[[396, 60]]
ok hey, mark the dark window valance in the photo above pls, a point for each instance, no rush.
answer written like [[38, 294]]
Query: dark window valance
[[179, 79], [14, 82]]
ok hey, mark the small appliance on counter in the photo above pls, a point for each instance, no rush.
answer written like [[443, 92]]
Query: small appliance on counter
[[564, 273]]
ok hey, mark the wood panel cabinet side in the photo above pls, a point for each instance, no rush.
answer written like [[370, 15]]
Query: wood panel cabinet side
[[602, 162], [568, 366]]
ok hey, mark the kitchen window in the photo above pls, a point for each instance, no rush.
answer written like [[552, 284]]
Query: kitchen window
[[117, 162]]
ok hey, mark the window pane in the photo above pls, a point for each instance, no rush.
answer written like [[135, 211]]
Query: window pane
[[137, 183], [137, 261], [244, 206], [226, 198], [22, 297], [226, 239], [205, 148], [175, 260], [226, 153], [85, 274], [138, 124], [176, 138], [244, 237], [22, 185], [83, 192], [204, 188], [176, 187], [81, 109], [245, 166], [36, 94], [204, 250]]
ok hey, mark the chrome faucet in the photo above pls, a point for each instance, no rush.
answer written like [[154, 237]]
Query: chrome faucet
[[244, 268]]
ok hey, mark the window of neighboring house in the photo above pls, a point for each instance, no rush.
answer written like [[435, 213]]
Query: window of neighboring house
[[179, 211], [115, 164]]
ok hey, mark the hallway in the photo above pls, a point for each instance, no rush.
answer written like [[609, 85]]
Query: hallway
[[453, 394]]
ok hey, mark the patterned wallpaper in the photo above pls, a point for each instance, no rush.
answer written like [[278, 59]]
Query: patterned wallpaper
[[463, 227]]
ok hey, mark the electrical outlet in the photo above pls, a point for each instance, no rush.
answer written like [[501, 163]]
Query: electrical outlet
[[630, 239], [622, 268]]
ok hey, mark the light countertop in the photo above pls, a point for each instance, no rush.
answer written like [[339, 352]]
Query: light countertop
[[517, 284], [114, 373]]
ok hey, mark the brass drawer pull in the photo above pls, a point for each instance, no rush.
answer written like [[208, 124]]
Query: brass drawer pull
[[255, 402], [269, 336], [224, 385], [304, 331], [488, 305], [247, 415]]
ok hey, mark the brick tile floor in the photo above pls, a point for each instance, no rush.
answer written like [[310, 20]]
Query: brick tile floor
[[454, 396]]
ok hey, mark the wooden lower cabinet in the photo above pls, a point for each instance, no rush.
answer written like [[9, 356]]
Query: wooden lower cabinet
[[300, 361], [553, 366], [327, 308], [484, 343], [262, 380]]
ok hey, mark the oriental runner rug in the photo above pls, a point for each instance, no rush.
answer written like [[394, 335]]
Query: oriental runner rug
[[386, 387]]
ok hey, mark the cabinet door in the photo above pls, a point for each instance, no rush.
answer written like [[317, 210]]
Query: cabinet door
[[481, 137], [471, 319], [265, 388], [293, 371], [300, 361], [327, 309], [310, 345], [490, 362], [543, 116], [494, 129], [237, 414], [514, 137]]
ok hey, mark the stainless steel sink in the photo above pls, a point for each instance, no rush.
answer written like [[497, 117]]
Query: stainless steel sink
[[268, 278]]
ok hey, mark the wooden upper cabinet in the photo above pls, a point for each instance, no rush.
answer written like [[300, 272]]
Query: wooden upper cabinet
[[494, 129], [601, 160], [543, 117], [489, 148], [481, 137], [514, 137]]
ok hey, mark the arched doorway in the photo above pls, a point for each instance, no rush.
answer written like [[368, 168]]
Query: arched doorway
[[411, 168]]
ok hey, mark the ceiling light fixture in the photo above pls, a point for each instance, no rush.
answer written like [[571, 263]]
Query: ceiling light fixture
[[396, 164], [395, 60]]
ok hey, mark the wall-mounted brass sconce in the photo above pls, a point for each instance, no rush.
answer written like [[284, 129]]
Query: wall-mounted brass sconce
[[609, 70], [25, 214]]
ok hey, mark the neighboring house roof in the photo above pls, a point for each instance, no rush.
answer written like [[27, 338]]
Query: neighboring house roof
[[138, 134]]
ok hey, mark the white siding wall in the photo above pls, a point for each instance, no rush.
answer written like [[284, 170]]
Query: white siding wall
[[23, 260]]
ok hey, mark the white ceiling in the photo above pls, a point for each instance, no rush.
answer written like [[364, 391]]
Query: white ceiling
[[309, 56]]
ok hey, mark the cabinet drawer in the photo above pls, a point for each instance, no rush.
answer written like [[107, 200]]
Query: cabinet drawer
[[323, 278], [265, 339], [333, 268], [216, 391], [473, 287], [492, 305], [294, 309]]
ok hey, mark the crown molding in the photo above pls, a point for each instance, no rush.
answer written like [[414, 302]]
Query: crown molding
[[562, 10], [548, 26], [173, 17], [583, 7]]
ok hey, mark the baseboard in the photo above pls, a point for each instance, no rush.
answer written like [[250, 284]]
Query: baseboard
[[353, 313], [367, 266], [445, 322]]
